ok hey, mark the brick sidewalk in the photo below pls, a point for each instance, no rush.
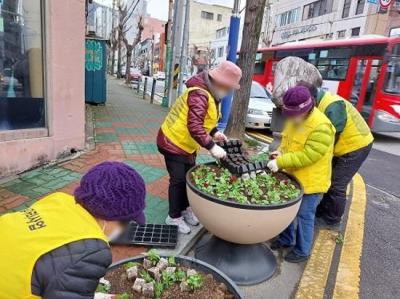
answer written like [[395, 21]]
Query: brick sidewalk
[[125, 130]]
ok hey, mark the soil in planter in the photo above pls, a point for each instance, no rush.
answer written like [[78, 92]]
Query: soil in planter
[[211, 289], [262, 189]]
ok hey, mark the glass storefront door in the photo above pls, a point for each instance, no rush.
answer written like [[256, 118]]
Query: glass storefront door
[[22, 103]]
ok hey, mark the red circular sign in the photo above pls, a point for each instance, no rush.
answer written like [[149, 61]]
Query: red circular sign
[[385, 3]]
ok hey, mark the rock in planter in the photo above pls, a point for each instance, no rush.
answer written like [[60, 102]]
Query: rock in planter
[[132, 272], [147, 264], [155, 273], [148, 290], [184, 286], [191, 272], [162, 264], [170, 270], [138, 285]]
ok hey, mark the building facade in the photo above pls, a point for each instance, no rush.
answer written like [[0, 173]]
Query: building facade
[[294, 20], [42, 105], [100, 19], [204, 21]]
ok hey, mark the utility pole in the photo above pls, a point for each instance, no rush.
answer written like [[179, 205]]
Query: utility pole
[[233, 40], [184, 48], [177, 34], [168, 54]]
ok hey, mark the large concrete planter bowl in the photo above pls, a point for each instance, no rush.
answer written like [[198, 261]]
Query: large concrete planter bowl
[[239, 232], [238, 223], [193, 264]]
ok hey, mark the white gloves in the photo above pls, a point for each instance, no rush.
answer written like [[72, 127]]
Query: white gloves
[[218, 152], [273, 165], [220, 136]]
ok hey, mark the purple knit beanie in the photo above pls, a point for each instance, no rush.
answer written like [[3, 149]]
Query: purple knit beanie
[[113, 191], [296, 101]]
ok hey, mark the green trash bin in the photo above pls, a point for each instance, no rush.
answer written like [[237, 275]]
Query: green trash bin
[[95, 70]]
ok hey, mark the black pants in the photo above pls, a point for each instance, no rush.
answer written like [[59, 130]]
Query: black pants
[[177, 167], [333, 204]]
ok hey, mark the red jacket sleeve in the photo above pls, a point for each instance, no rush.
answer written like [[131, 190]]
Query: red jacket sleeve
[[198, 106]]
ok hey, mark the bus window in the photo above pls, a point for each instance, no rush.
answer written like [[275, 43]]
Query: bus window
[[356, 92], [371, 88], [333, 69], [259, 67], [392, 80]]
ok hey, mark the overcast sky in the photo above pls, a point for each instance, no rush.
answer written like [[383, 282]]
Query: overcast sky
[[159, 8]]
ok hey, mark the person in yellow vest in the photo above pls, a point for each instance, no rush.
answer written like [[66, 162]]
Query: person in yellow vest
[[58, 248], [190, 125], [306, 153], [353, 143]]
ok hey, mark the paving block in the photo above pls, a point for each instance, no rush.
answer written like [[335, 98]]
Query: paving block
[[135, 148], [106, 137], [203, 158], [103, 124], [149, 173], [132, 131], [156, 210]]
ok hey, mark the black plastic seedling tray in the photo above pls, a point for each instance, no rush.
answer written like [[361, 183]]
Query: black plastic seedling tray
[[157, 235], [236, 162]]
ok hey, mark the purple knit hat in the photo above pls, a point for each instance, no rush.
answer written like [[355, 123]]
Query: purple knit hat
[[296, 101], [113, 191]]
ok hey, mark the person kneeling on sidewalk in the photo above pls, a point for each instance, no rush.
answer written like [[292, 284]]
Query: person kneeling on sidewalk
[[58, 248], [306, 153], [190, 125]]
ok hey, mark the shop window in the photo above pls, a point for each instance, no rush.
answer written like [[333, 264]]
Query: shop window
[[346, 8], [207, 15], [341, 34], [360, 7], [22, 103], [317, 8], [355, 32]]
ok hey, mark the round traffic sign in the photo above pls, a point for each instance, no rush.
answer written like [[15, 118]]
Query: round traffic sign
[[385, 3]]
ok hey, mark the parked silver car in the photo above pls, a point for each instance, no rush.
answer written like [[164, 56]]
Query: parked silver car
[[260, 108]]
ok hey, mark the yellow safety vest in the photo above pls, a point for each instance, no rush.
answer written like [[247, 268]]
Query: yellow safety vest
[[25, 236], [315, 178], [356, 133], [175, 125]]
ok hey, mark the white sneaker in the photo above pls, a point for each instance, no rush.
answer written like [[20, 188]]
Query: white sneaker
[[190, 217], [180, 222]]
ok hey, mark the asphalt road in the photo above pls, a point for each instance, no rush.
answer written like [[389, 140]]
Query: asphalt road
[[380, 261]]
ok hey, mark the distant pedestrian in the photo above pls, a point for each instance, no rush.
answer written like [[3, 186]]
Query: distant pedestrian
[[189, 126], [306, 153]]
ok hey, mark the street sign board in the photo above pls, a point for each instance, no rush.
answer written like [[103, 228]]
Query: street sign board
[[385, 3], [373, 1]]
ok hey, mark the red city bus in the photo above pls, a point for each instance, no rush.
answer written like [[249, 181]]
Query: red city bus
[[366, 71]]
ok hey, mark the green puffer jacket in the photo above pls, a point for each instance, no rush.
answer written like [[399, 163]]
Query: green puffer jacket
[[307, 152]]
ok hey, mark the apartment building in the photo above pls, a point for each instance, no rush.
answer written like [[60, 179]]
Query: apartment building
[[294, 20]]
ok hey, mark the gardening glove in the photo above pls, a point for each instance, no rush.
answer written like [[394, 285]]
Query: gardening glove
[[218, 152], [274, 155], [273, 165], [219, 136]]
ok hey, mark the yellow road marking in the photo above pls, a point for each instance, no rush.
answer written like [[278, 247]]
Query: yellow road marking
[[313, 281], [349, 271], [260, 136]]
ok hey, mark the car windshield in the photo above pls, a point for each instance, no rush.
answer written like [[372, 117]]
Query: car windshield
[[257, 91], [392, 80]]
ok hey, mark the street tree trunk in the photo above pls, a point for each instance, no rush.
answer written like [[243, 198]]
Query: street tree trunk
[[130, 48], [247, 57]]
